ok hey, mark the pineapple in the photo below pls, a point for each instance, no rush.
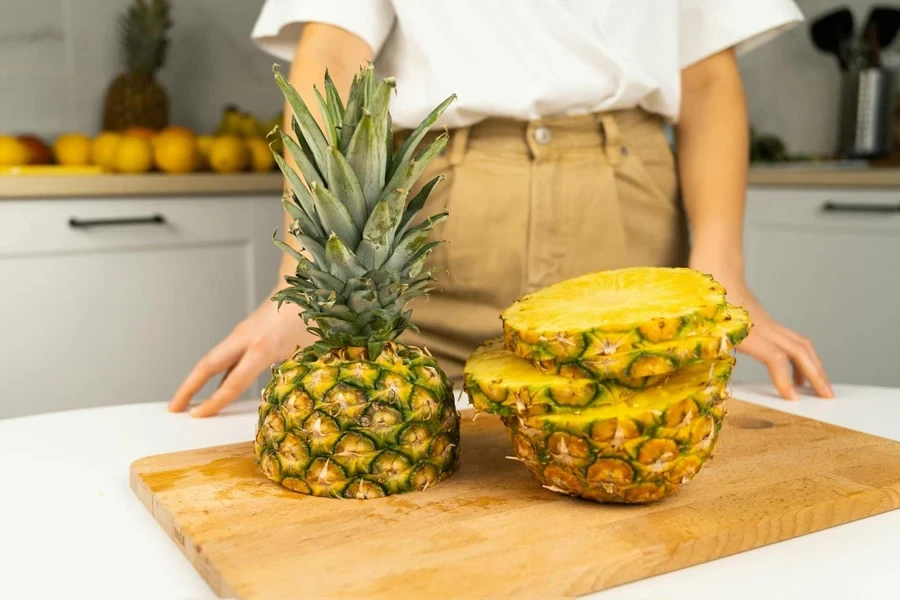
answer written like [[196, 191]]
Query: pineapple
[[611, 312], [357, 415], [633, 452], [135, 98], [612, 385]]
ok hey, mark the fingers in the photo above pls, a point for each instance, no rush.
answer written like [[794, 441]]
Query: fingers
[[807, 363], [220, 358], [254, 362], [780, 349], [776, 361]]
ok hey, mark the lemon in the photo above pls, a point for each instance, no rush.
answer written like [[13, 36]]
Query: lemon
[[134, 155], [261, 159], [73, 149], [103, 150], [228, 154], [175, 152], [13, 152]]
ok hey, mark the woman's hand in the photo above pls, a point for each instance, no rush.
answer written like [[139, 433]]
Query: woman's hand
[[265, 337], [779, 348]]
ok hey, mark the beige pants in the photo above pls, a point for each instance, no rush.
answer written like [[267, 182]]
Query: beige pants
[[539, 202]]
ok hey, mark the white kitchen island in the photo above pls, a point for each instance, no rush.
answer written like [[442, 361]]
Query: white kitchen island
[[71, 527]]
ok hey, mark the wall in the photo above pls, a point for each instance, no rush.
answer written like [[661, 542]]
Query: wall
[[792, 88], [58, 56]]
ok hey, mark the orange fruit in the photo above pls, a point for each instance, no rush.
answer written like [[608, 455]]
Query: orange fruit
[[73, 149], [228, 154], [103, 150], [13, 153], [261, 159], [133, 155], [175, 152]]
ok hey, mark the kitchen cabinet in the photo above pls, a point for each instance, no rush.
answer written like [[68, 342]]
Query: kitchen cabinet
[[112, 300], [825, 261]]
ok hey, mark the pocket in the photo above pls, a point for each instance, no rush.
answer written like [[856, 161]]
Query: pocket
[[648, 166]]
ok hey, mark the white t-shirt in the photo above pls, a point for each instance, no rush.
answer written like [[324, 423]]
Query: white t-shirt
[[527, 59]]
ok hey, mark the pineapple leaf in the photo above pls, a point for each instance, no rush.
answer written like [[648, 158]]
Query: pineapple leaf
[[407, 173], [341, 261], [334, 216], [307, 224], [352, 113], [334, 100], [374, 349], [410, 244], [361, 153], [331, 132], [374, 249], [304, 200], [304, 119], [378, 107], [388, 146], [415, 264], [417, 204], [287, 248], [409, 146], [315, 249], [368, 79], [343, 182], [307, 168]]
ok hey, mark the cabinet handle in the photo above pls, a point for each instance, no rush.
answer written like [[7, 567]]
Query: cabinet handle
[[860, 208], [77, 223]]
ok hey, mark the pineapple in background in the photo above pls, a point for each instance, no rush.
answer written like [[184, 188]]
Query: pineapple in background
[[135, 98], [357, 415], [612, 385]]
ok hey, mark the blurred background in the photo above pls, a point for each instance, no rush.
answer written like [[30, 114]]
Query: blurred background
[[112, 286]]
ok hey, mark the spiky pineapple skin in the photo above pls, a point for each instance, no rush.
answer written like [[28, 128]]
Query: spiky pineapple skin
[[135, 100], [637, 457], [341, 425]]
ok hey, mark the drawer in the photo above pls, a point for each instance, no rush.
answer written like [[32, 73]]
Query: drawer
[[825, 209], [40, 226]]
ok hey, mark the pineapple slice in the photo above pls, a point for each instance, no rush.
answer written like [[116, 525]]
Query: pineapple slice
[[499, 382], [611, 312], [635, 451], [636, 364]]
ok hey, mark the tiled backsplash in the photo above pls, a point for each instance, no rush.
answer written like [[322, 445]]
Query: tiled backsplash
[[58, 56]]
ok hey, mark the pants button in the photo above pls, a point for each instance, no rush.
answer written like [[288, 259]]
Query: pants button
[[542, 136]]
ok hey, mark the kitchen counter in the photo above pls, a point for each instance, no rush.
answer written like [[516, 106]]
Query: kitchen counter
[[824, 176], [153, 184], [71, 522]]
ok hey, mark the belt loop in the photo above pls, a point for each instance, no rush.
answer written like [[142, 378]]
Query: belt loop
[[459, 141], [609, 131]]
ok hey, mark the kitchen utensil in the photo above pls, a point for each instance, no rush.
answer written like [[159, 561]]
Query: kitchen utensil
[[830, 32], [885, 23], [867, 112], [491, 531]]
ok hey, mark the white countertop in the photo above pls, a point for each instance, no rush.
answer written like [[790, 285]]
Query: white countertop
[[70, 525]]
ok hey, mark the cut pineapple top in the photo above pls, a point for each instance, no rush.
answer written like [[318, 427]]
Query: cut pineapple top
[[500, 382], [619, 301]]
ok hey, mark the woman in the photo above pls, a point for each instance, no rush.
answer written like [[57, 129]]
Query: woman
[[558, 164]]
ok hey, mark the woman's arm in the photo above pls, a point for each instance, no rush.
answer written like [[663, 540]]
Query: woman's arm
[[712, 140], [268, 335]]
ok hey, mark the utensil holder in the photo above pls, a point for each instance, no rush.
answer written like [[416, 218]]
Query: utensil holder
[[867, 116]]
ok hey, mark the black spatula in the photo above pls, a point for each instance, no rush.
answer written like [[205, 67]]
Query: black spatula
[[831, 32]]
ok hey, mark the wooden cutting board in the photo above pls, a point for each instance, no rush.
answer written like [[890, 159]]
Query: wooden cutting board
[[490, 530]]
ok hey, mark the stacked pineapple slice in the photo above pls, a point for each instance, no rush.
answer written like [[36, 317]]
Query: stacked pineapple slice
[[612, 385]]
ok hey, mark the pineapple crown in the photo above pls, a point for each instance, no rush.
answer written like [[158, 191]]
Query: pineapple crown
[[142, 34], [353, 216]]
